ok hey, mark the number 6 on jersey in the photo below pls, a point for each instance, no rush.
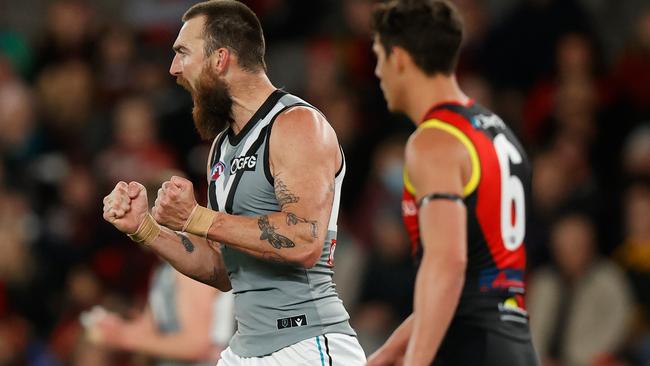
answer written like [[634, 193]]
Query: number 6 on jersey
[[512, 195]]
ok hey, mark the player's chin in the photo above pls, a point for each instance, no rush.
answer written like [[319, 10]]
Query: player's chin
[[390, 105]]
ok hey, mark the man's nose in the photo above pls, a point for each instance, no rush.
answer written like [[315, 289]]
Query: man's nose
[[175, 68]]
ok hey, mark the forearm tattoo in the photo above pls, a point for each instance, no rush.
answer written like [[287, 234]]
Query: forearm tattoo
[[268, 233], [274, 257], [292, 219], [283, 195], [187, 243]]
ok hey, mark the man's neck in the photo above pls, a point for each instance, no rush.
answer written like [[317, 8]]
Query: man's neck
[[425, 92], [249, 92]]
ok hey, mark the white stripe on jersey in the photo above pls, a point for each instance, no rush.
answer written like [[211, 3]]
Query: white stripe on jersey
[[338, 182], [221, 186]]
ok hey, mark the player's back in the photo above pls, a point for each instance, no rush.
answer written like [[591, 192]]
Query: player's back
[[496, 198]]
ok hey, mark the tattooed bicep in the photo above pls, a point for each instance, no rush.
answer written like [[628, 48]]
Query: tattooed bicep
[[283, 194]]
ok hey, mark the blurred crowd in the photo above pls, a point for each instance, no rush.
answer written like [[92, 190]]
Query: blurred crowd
[[86, 101]]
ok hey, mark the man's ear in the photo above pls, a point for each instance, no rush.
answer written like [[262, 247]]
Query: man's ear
[[221, 60], [401, 58]]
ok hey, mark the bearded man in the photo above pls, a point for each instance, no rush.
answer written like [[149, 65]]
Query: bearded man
[[275, 172]]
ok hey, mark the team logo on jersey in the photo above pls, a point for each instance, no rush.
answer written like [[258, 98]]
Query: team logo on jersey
[[294, 321], [486, 121], [245, 163], [217, 170], [512, 309], [409, 208]]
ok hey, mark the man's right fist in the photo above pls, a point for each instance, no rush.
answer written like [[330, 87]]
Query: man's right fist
[[126, 206]]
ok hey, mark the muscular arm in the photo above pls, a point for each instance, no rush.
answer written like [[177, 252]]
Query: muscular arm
[[193, 256], [126, 207], [437, 163], [304, 158]]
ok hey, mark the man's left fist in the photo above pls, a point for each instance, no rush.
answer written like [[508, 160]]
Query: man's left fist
[[175, 203]]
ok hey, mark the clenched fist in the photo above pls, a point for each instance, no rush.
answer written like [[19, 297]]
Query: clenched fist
[[175, 203], [126, 206]]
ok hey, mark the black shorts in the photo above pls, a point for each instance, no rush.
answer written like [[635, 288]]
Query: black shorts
[[466, 345]]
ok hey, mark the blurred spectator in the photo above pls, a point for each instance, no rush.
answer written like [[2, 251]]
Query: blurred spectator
[[636, 152], [82, 291], [136, 154], [13, 340], [567, 103], [612, 22], [579, 308], [68, 34], [522, 45], [17, 225], [631, 72], [562, 178], [66, 94], [115, 64], [634, 256], [386, 291], [18, 137], [384, 190]]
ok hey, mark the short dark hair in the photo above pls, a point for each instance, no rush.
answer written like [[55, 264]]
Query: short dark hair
[[233, 25], [431, 31]]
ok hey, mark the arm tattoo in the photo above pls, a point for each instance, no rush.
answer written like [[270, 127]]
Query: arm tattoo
[[187, 243], [283, 194], [274, 257], [292, 219], [268, 233]]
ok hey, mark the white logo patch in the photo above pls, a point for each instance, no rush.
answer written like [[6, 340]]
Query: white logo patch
[[243, 163]]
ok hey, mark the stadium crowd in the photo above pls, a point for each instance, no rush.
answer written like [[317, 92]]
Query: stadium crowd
[[86, 101]]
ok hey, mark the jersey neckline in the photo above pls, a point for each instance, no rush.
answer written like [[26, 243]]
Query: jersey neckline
[[441, 104], [263, 110]]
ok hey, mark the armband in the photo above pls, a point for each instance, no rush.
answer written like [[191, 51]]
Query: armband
[[439, 196]]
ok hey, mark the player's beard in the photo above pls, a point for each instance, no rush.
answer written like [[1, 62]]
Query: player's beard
[[212, 110]]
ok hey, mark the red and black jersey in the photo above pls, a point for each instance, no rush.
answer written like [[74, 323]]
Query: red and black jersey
[[496, 197]]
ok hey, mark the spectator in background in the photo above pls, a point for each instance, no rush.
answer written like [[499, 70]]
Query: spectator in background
[[636, 152], [579, 307], [16, 274], [66, 93], [18, 140], [634, 256], [68, 34], [565, 101], [184, 323], [631, 72], [386, 291], [386, 297], [136, 153], [82, 290], [115, 65], [563, 178]]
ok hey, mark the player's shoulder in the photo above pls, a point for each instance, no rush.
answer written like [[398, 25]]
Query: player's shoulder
[[301, 117], [425, 143], [301, 124]]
